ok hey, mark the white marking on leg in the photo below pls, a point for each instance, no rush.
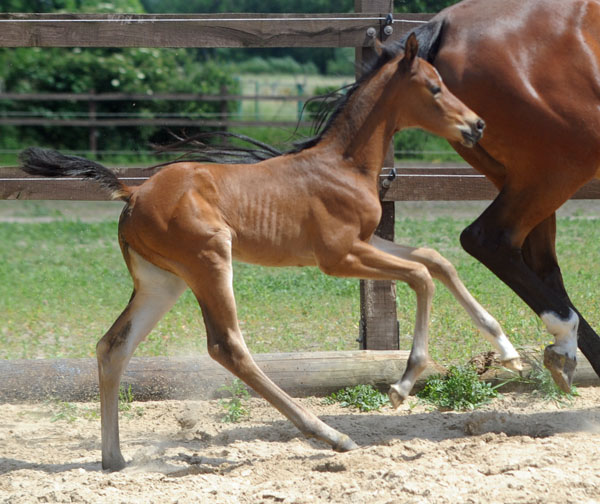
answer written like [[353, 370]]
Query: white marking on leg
[[564, 332], [157, 291], [491, 331]]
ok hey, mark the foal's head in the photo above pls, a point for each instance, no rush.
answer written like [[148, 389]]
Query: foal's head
[[420, 99]]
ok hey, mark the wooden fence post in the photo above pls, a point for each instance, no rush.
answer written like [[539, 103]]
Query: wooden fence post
[[93, 131], [378, 320]]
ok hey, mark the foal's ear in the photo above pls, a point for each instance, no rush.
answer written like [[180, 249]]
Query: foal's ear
[[378, 47], [411, 48]]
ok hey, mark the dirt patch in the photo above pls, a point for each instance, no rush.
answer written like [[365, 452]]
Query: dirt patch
[[518, 449]]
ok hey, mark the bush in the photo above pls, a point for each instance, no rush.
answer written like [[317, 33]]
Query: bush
[[460, 389]]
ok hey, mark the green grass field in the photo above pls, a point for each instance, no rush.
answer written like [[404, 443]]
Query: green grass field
[[63, 282]]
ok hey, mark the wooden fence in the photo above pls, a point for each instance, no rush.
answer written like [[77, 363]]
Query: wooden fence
[[91, 119], [359, 30]]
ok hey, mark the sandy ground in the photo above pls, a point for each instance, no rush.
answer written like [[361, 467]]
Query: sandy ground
[[518, 449]]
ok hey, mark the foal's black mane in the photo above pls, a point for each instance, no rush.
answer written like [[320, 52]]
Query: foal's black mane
[[201, 147]]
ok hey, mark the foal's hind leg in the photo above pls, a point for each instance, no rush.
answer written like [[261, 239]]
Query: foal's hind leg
[[443, 270], [155, 292], [212, 285]]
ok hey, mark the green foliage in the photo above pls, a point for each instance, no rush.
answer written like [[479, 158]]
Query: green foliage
[[423, 5], [542, 383], [342, 62], [460, 389], [126, 403], [235, 406], [64, 412], [120, 6], [275, 6], [145, 71], [419, 144], [361, 397], [283, 65]]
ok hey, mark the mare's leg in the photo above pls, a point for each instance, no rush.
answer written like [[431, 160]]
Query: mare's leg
[[155, 292], [497, 239], [443, 270], [367, 262], [212, 285], [539, 253]]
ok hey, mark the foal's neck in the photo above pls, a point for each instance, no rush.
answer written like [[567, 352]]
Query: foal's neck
[[365, 127]]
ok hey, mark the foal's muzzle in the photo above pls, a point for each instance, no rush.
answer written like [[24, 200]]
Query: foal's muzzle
[[472, 132]]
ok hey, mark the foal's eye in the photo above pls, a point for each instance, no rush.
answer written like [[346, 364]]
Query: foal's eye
[[436, 90]]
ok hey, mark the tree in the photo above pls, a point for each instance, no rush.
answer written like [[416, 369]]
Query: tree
[[149, 71]]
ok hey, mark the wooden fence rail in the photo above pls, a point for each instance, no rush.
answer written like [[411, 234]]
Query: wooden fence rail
[[413, 182], [204, 30], [92, 119]]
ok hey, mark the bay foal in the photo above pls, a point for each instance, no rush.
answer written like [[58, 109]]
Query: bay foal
[[317, 206]]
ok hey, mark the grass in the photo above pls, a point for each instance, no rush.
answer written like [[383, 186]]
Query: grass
[[63, 283], [541, 382], [361, 397]]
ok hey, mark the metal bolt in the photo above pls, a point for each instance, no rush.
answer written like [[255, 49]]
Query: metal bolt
[[388, 30], [371, 32]]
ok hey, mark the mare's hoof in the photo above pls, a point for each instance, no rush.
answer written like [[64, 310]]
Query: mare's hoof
[[397, 396], [513, 364], [345, 444], [561, 366]]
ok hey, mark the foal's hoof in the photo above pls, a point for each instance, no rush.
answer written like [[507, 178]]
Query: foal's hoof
[[513, 364], [397, 396], [561, 366], [345, 444]]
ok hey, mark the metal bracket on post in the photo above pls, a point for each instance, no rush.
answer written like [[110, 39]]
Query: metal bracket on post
[[388, 29]]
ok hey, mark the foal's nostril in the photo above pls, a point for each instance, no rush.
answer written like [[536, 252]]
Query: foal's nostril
[[480, 124]]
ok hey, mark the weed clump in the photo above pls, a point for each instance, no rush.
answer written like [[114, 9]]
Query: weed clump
[[460, 389], [361, 397], [235, 406]]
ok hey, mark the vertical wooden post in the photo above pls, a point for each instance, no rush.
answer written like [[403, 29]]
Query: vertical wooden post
[[224, 108], [93, 131], [378, 319]]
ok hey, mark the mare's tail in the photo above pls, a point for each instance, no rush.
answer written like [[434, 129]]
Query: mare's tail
[[50, 163]]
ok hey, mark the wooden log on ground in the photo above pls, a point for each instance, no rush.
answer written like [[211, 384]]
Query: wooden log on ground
[[159, 378]]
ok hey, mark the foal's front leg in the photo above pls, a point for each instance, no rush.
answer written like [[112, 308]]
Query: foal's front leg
[[214, 291], [443, 270], [368, 262]]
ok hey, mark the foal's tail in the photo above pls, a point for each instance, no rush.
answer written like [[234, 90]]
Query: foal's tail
[[50, 163]]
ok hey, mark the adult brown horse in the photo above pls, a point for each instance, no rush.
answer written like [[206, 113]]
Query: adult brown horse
[[318, 205], [531, 69]]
